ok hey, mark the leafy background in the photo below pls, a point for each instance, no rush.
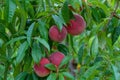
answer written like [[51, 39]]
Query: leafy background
[[24, 26]]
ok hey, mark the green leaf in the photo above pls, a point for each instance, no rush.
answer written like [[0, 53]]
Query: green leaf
[[3, 35], [28, 62], [96, 15], [80, 53], [20, 14], [21, 52], [1, 78], [65, 61], [50, 66], [9, 10], [29, 33], [68, 75], [52, 76], [43, 42], [2, 70], [1, 43], [36, 52], [2, 28], [15, 39], [91, 70], [62, 48], [34, 76], [75, 4], [43, 29], [30, 9], [61, 77], [94, 47], [116, 72], [101, 5], [59, 22], [21, 76], [115, 34], [66, 13]]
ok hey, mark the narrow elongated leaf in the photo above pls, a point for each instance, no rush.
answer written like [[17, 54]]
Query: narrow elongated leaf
[[2, 28], [115, 34], [30, 9], [68, 75], [43, 30], [94, 47], [62, 48], [15, 39], [29, 77], [65, 61], [91, 70], [76, 4], [34, 76], [66, 13], [21, 15], [36, 52], [59, 22], [27, 65], [1, 42], [10, 10], [1, 78], [29, 33], [21, 52], [2, 70], [61, 77], [21, 76], [80, 53], [96, 15], [52, 76], [116, 72], [43, 42], [101, 5], [50, 66]]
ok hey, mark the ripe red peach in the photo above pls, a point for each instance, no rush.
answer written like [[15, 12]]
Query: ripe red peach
[[40, 68], [76, 26], [56, 35], [56, 58]]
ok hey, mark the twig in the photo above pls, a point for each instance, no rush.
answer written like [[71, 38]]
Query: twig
[[115, 15], [112, 14]]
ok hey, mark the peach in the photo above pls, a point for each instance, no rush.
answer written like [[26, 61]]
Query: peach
[[76, 26], [40, 68], [56, 35], [56, 58]]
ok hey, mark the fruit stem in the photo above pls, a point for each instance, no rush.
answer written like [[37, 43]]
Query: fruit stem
[[57, 70]]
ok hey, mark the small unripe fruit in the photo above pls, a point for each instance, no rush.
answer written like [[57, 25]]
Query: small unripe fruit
[[56, 35], [76, 26], [56, 58], [40, 68]]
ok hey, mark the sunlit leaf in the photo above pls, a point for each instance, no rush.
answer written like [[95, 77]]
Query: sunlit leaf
[[21, 52], [51, 66], [29, 33], [52, 76], [65, 61], [36, 52], [10, 10], [116, 72], [43, 42]]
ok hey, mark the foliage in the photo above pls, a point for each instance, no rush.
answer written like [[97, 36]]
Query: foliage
[[24, 40]]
